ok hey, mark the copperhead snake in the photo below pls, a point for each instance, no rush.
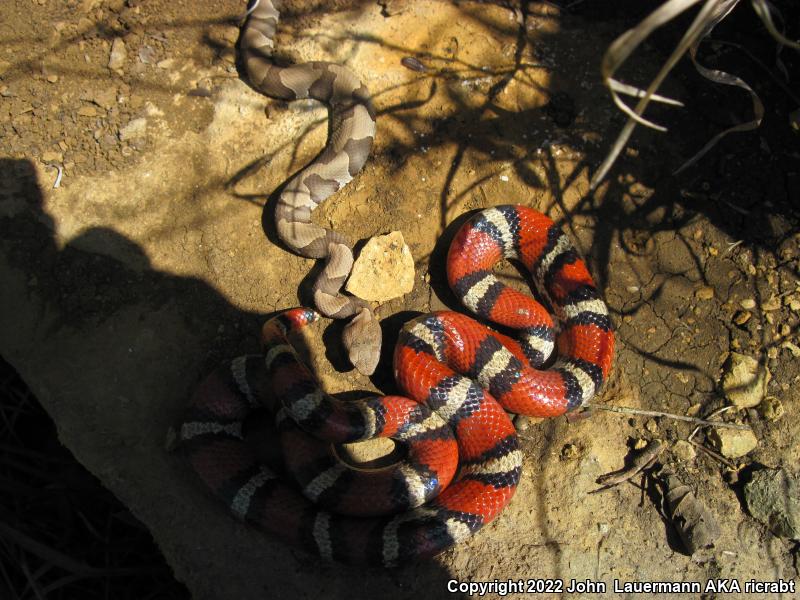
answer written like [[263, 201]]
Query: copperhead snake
[[352, 130]]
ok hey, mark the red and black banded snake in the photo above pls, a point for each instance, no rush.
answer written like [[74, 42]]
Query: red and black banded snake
[[459, 376]]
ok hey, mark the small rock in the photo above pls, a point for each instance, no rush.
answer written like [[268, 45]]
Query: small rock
[[103, 98], [569, 451], [87, 111], [705, 293], [54, 157], [744, 381], [384, 269], [651, 425], [733, 443], [167, 63], [119, 54], [742, 317], [774, 303], [640, 444], [108, 141], [793, 348], [748, 304], [52, 78], [773, 497], [771, 408], [684, 451], [133, 130], [147, 55]]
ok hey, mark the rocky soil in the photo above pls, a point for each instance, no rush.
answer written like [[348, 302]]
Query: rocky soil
[[155, 257]]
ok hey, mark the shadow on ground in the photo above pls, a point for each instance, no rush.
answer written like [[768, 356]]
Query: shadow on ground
[[111, 327]]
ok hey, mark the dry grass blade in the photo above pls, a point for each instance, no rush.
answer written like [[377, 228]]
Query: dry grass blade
[[762, 10], [632, 90], [725, 79], [65, 562], [625, 410], [624, 45]]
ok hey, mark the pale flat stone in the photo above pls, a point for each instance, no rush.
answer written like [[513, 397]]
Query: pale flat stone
[[119, 54], [383, 270], [133, 130], [733, 443], [744, 381], [773, 497]]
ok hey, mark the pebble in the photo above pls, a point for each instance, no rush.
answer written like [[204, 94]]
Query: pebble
[[771, 408], [119, 54], [651, 425], [684, 451], [774, 303], [87, 111], [748, 304], [52, 157], [384, 269], [705, 293], [773, 497], [744, 381], [147, 54], [52, 78], [733, 443], [792, 348], [103, 98], [136, 128], [742, 317], [569, 451]]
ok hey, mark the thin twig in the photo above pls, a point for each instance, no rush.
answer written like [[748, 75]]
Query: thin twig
[[716, 413], [640, 462], [713, 454], [655, 413]]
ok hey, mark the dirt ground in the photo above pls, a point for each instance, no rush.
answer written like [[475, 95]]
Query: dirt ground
[[156, 257]]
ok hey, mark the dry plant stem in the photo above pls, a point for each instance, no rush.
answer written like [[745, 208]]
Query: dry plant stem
[[63, 561], [709, 451], [789, 92], [713, 454], [723, 78], [642, 460], [624, 45], [655, 413], [716, 413], [762, 10]]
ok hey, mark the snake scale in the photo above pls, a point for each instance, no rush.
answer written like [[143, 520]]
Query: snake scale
[[463, 460], [352, 130]]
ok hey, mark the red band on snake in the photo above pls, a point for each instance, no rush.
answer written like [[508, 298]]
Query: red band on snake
[[352, 129], [459, 376]]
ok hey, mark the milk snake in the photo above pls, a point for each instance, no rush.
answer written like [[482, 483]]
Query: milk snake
[[352, 129], [455, 370]]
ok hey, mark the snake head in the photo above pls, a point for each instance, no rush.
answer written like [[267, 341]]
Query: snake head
[[362, 339]]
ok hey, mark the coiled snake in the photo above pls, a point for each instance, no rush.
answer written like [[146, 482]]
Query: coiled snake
[[457, 373]]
